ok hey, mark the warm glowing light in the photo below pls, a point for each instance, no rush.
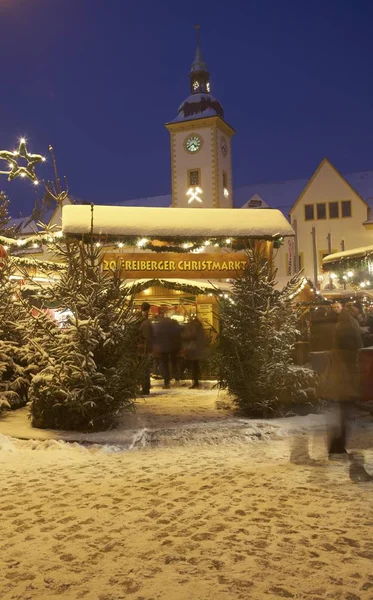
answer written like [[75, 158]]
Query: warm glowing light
[[22, 174], [195, 85], [194, 194], [6, 247], [228, 241], [21, 242], [36, 182], [43, 159], [226, 193], [207, 243], [350, 273], [35, 245], [345, 277], [22, 140], [120, 245], [333, 276], [367, 282], [362, 284], [208, 87], [186, 245], [98, 244], [142, 242], [59, 234]]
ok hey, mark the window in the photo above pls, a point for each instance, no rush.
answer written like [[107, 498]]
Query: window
[[194, 177], [308, 212], [333, 210], [224, 180], [346, 208], [321, 210]]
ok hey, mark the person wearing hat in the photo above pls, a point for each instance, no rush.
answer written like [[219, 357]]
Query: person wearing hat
[[146, 345]]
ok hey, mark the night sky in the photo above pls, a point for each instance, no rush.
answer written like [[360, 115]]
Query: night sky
[[98, 79]]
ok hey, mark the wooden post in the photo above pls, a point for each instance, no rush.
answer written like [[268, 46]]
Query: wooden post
[[343, 248], [329, 241], [296, 252], [314, 253]]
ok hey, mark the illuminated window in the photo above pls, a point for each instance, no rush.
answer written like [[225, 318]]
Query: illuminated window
[[346, 208], [308, 212], [321, 210], [194, 177], [333, 210]]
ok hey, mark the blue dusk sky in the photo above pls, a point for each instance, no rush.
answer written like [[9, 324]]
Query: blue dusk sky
[[98, 79]]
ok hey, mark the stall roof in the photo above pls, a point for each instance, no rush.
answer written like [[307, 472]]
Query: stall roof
[[353, 253], [169, 222]]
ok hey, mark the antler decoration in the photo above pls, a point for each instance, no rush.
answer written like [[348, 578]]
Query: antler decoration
[[55, 189]]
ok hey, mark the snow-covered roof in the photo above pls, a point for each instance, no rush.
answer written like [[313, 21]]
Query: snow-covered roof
[[155, 201], [353, 253], [195, 98], [255, 202], [284, 194], [169, 222]]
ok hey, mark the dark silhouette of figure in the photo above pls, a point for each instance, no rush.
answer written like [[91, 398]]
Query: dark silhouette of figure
[[145, 347], [194, 345], [167, 345]]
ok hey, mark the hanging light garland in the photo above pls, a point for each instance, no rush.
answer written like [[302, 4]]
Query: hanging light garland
[[354, 271]]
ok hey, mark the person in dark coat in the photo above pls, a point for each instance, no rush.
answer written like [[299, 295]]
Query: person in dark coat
[[194, 347], [167, 346], [347, 342], [145, 347]]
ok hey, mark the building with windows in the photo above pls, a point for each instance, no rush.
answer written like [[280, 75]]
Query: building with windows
[[329, 212]]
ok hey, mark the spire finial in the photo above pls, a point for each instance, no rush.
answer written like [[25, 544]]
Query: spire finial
[[198, 29], [198, 63]]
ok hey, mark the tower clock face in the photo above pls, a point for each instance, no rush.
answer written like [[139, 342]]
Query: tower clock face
[[193, 143], [224, 146]]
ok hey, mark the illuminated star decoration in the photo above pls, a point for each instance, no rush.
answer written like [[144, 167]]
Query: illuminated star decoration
[[16, 170], [194, 194]]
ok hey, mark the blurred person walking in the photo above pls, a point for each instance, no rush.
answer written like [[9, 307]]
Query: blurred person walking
[[344, 371]]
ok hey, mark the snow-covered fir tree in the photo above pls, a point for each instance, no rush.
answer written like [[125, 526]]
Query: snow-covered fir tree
[[5, 218], [255, 351], [18, 359], [93, 370]]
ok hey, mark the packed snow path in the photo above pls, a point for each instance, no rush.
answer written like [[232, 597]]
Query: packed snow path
[[229, 520]]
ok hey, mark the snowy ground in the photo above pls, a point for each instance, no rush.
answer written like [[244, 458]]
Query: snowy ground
[[218, 509]]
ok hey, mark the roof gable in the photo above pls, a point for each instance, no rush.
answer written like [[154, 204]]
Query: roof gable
[[324, 171]]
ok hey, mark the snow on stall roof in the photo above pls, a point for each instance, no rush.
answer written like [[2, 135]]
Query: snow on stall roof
[[354, 252], [155, 201], [168, 222]]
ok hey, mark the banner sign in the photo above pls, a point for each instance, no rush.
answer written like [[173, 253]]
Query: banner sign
[[174, 265]]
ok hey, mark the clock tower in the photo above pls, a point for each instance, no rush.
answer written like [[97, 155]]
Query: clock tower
[[201, 160]]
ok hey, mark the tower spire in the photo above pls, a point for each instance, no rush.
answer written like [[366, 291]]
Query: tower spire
[[199, 75]]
